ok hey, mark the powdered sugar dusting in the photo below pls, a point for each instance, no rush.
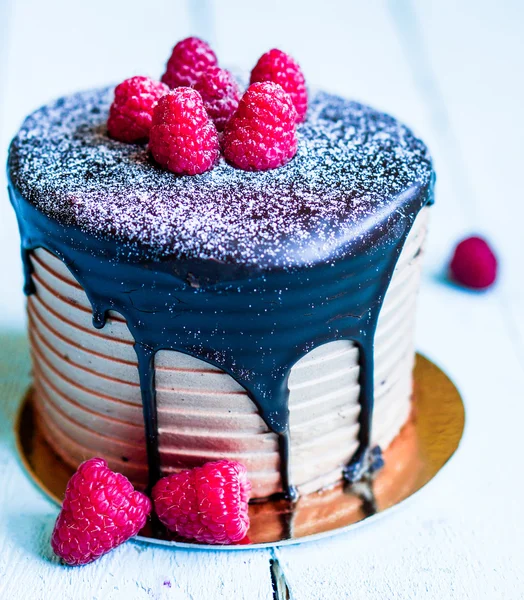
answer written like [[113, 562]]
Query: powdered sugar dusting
[[352, 162]]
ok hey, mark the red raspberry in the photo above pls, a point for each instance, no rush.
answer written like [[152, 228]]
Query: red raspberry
[[182, 137], [208, 504], [131, 113], [101, 510], [262, 133], [189, 59], [279, 67], [474, 264], [220, 93]]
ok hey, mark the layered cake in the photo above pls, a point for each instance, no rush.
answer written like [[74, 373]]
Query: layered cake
[[264, 317]]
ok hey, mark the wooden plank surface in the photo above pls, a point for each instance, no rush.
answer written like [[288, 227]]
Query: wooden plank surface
[[29, 570], [461, 537], [452, 71], [54, 48], [481, 83]]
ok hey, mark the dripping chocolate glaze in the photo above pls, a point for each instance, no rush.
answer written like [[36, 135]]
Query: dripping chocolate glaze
[[247, 271]]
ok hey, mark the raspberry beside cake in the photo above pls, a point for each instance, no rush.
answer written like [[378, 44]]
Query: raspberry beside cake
[[175, 320]]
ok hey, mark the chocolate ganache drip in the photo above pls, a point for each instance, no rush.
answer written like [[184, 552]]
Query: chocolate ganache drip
[[247, 271]]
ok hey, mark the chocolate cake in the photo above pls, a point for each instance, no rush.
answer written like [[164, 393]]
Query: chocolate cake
[[265, 317]]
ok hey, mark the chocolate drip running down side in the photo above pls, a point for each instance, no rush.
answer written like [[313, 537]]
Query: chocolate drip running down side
[[233, 326], [254, 320]]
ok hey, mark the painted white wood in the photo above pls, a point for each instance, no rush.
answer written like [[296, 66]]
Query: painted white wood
[[453, 71], [53, 48], [56, 47], [28, 568], [345, 47], [481, 83], [461, 537]]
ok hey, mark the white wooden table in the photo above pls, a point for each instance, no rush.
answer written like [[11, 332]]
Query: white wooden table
[[453, 71]]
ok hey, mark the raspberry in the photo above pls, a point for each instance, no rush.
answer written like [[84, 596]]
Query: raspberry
[[262, 133], [208, 504], [189, 59], [132, 109], [474, 264], [101, 510], [279, 67], [220, 93], [182, 137]]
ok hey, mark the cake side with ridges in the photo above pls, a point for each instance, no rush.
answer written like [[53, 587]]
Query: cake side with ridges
[[88, 397], [248, 272]]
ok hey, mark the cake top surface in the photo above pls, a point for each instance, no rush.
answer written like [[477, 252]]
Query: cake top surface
[[353, 169]]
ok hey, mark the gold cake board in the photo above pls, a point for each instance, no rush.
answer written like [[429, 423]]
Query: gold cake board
[[423, 447]]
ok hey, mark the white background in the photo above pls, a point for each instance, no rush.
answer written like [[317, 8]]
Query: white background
[[454, 72]]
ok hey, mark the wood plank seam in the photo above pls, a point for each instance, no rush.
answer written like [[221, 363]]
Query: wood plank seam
[[417, 58], [511, 324], [412, 40], [281, 589]]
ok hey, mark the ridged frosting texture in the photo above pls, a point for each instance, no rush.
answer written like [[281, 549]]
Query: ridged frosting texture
[[88, 398]]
